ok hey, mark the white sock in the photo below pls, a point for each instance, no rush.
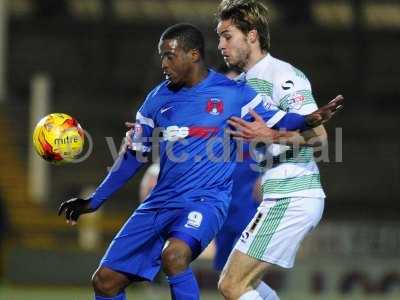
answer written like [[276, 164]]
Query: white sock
[[251, 295], [266, 292]]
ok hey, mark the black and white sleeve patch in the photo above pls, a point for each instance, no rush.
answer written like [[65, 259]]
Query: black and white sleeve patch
[[287, 85]]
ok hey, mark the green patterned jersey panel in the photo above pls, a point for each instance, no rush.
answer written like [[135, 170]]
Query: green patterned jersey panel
[[261, 86], [291, 185], [299, 73], [301, 155]]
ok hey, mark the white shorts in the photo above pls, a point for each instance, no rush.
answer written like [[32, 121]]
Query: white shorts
[[277, 229]]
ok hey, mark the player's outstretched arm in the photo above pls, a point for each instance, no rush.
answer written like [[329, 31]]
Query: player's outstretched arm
[[257, 130], [124, 168]]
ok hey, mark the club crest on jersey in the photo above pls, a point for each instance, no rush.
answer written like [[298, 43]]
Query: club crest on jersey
[[296, 101], [194, 219], [215, 106]]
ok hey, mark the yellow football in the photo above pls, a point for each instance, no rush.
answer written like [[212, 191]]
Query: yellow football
[[58, 138]]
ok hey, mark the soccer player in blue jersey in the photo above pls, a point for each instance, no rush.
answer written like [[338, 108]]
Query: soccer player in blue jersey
[[245, 198], [242, 208], [188, 205]]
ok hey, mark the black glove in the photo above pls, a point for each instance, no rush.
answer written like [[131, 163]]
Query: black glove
[[74, 208]]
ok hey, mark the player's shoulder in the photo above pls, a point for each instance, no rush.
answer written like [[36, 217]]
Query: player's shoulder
[[227, 86], [220, 79], [152, 100], [157, 93], [237, 91], [159, 90], [286, 76], [237, 83]]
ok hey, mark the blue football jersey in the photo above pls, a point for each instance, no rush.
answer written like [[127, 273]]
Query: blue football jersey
[[195, 159], [243, 205]]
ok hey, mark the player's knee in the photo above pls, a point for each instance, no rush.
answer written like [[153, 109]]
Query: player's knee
[[175, 260], [229, 288], [107, 283]]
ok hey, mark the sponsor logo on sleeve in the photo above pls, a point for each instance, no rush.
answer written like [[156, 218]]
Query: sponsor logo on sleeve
[[287, 85], [296, 101]]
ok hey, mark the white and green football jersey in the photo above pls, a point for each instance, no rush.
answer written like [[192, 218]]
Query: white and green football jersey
[[295, 174]]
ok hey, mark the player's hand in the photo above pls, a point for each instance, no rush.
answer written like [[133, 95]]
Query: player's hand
[[251, 130], [73, 208], [128, 134], [326, 112]]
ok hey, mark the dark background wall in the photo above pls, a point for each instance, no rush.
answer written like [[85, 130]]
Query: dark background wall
[[102, 68]]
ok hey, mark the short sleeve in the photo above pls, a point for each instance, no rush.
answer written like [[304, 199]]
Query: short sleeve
[[294, 92]]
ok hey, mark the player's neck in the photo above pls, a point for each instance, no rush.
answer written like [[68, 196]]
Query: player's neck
[[197, 75], [254, 58]]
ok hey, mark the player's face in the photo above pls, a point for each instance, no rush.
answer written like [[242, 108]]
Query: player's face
[[175, 62], [233, 44]]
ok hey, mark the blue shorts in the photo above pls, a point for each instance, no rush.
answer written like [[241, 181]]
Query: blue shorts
[[136, 249], [224, 242]]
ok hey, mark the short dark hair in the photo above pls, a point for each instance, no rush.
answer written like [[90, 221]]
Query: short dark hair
[[247, 15], [189, 36]]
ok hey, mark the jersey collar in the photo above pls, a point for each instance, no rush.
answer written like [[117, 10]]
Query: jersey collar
[[202, 83], [261, 65]]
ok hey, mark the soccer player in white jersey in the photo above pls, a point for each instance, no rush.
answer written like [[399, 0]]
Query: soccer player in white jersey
[[293, 198]]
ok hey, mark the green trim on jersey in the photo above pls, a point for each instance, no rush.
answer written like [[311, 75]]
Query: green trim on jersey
[[268, 228], [290, 185], [299, 73], [302, 155], [261, 86]]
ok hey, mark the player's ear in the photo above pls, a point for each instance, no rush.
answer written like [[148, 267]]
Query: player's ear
[[252, 36], [195, 55]]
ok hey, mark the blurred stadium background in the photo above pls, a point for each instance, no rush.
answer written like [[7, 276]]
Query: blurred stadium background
[[96, 59]]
